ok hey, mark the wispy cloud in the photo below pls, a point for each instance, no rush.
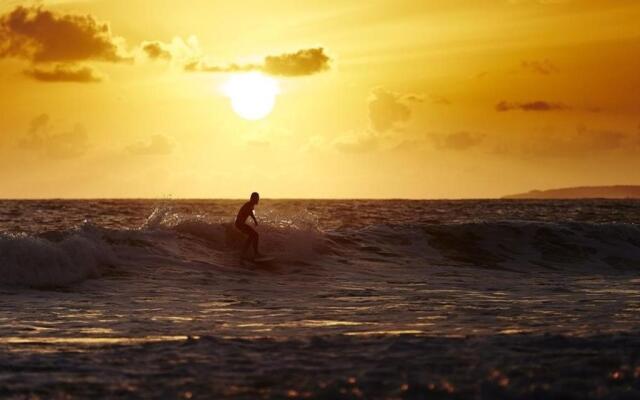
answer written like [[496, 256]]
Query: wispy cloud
[[42, 139], [388, 110], [178, 50], [299, 63], [462, 140], [156, 51], [540, 67], [64, 73], [535, 106]]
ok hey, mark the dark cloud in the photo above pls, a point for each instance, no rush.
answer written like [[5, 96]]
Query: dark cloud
[[38, 35], [64, 73], [65, 145], [418, 98], [55, 43], [387, 110], [458, 140], [180, 50], [539, 106], [157, 146], [301, 63], [157, 51], [41, 36], [544, 67]]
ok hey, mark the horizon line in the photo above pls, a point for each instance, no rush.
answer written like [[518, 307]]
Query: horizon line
[[244, 198], [505, 198]]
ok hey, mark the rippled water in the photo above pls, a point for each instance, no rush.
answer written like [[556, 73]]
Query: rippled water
[[161, 282]]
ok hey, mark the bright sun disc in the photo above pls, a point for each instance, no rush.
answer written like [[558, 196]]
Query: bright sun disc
[[252, 95]]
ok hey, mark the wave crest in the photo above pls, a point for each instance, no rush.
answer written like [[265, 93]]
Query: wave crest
[[39, 262], [166, 238], [512, 245], [517, 244], [291, 236]]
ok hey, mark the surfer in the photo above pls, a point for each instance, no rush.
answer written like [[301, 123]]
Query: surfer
[[245, 212]]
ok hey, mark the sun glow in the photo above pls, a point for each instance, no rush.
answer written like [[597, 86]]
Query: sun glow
[[252, 95]]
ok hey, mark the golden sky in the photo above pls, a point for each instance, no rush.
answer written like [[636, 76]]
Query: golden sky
[[375, 99]]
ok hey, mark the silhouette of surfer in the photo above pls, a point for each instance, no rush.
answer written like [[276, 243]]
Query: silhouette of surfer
[[245, 212]]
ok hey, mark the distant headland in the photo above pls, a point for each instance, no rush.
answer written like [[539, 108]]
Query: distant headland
[[582, 192]]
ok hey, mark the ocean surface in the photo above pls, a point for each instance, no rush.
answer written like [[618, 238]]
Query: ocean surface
[[365, 299]]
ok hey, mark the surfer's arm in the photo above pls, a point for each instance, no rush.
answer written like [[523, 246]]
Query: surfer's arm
[[253, 216]]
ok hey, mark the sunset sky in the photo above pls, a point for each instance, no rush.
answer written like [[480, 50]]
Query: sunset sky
[[371, 99]]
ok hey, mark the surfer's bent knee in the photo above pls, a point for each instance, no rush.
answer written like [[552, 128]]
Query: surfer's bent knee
[[246, 229]]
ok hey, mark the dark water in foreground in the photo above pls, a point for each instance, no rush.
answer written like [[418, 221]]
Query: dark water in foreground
[[367, 299]]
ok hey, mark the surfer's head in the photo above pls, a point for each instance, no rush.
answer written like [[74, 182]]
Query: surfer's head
[[255, 198]]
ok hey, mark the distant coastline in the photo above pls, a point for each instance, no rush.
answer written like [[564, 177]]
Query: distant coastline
[[582, 192]]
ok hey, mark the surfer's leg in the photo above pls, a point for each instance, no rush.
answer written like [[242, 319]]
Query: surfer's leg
[[253, 239], [256, 237], [246, 229], [246, 245]]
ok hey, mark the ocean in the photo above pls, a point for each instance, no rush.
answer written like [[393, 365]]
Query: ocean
[[389, 299]]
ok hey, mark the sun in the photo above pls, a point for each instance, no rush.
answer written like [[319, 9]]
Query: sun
[[252, 95]]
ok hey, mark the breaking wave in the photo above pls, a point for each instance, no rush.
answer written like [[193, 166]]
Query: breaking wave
[[52, 260], [62, 258]]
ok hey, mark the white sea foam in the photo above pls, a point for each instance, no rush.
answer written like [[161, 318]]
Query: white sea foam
[[37, 262]]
